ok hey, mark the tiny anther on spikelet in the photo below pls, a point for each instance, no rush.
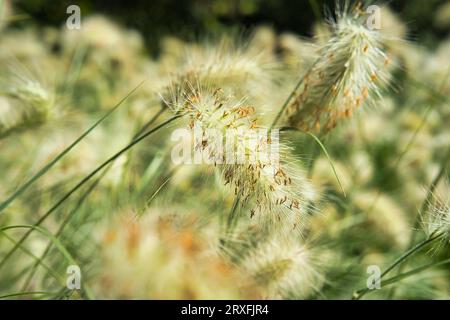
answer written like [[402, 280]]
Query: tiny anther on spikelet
[[349, 73], [262, 172]]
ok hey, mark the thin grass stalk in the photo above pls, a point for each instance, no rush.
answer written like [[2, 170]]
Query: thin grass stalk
[[28, 252], [20, 294], [289, 98], [61, 229]]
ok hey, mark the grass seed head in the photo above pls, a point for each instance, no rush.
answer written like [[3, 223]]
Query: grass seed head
[[349, 73], [437, 217], [286, 268]]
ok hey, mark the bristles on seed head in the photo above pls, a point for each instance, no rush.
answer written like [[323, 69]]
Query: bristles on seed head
[[28, 102]]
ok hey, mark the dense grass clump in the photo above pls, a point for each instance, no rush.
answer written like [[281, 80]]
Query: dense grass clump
[[305, 163]]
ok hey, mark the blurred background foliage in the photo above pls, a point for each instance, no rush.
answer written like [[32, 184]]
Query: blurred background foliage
[[189, 19], [139, 228]]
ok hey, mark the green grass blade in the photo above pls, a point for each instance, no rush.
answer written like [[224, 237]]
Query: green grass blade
[[360, 293], [47, 167]]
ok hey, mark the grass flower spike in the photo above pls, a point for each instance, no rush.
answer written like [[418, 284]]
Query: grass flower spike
[[254, 164], [437, 218], [349, 73], [187, 150]]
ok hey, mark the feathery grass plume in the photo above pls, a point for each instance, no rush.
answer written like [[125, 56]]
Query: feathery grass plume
[[28, 102], [386, 218], [256, 165], [437, 216], [286, 268], [350, 70]]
